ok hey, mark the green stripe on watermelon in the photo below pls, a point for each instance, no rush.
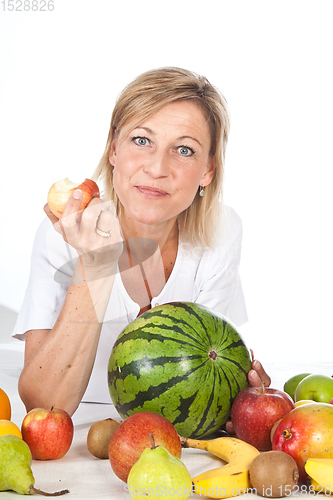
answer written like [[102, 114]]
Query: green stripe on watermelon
[[180, 360]]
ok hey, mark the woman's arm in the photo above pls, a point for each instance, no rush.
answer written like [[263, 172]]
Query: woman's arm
[[58, 362]]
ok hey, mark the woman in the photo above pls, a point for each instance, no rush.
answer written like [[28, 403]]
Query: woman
[[161, 236]]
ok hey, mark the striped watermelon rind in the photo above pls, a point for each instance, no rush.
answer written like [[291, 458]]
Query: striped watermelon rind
[[180, 360]]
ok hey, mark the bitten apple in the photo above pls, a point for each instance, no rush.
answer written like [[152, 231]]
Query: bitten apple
[[306, 432], [132, 437], [254, 412], [61, 191], [48, 433]]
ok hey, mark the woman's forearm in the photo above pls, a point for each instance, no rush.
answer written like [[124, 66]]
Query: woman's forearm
[[57, 370]]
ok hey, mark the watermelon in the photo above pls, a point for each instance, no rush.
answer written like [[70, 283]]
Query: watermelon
[[180, 360]]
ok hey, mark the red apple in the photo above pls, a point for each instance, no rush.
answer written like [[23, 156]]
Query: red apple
[[48, 433], [306, 432], [254, 412], [61, 191], [131, 438]]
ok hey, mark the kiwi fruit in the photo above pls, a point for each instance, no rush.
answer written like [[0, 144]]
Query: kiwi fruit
[[99, 436], [273, 474]]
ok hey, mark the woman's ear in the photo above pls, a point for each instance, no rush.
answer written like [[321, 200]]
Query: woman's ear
[[112, 154], [209, 173]]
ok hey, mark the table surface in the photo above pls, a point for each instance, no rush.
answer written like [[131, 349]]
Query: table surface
[[88, 477]]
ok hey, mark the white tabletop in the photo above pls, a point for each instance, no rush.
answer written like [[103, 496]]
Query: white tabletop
[[88, 477]]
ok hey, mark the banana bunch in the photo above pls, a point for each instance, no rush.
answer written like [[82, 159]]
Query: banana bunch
[[231, 479], [320, 471]]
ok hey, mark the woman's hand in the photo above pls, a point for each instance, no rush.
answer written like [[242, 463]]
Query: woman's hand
[[256, 376], [78, 228]]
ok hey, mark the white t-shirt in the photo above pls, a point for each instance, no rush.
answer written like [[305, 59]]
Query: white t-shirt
[[207, 277]]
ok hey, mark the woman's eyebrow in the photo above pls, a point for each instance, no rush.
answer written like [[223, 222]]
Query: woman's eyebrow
[[189, 137], [148, 130]]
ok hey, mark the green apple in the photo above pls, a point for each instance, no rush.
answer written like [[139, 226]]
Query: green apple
[[315, 387], [291, 384]]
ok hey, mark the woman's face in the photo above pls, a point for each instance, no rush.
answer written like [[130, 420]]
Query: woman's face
[[159, 164]]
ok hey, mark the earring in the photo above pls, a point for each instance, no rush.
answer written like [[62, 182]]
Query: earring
[[202, 191]]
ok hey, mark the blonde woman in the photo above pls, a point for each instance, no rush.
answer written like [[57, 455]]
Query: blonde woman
[[160, 233]]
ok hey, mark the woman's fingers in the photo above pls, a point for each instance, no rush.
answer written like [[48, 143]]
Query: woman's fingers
[[50, 215], [78, 228], [104, 222], [229, 427], [257, 376], [71, 216]]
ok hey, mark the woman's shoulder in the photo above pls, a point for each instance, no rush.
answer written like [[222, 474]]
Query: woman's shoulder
[[231, 226], [228, 240]]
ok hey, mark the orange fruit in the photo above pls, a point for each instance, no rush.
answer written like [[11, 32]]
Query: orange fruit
[[8, 427], [5, 408]]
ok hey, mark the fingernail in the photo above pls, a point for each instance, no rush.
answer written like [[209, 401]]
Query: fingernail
[[77, 194], [256, 364]]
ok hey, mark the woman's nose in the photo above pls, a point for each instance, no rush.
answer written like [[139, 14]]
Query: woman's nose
[[157, 165]]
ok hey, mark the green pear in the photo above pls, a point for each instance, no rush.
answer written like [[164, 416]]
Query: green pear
[[15, 470], [158, 473]]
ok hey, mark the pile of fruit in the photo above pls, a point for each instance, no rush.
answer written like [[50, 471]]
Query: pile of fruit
[[145, 451], [176, 375], [44, 435], [189, 365]]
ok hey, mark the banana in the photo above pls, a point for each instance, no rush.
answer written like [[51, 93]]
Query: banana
[[231, 479], [327, 490], [320, 471]]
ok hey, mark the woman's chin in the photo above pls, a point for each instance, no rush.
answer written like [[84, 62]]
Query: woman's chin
[[149, 217]]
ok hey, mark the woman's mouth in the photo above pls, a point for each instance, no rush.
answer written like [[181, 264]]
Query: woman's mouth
[[151, 192]]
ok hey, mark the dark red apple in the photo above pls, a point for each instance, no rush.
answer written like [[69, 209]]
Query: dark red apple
[[306, 432], [48, 433], [254, 412], [132, 437]]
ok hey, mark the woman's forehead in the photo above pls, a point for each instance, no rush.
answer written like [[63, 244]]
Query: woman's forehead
[[180, 114]]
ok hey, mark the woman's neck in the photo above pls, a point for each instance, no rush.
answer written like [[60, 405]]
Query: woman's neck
[[162, 234], [149, 256]]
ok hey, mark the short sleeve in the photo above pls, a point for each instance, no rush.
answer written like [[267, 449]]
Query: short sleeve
[[52, 265]]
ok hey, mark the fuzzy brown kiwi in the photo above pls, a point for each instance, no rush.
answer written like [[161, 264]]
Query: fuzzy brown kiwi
[[99, 436], [273, 474]]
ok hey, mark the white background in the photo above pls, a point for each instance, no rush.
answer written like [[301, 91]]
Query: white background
[[60, 73]]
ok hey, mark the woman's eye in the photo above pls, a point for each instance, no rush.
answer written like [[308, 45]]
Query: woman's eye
[[185, 151], [141, 141]]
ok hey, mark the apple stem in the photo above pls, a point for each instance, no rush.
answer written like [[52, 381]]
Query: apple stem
[[153, 445], [36, 491], [52, 407], [263, 388]]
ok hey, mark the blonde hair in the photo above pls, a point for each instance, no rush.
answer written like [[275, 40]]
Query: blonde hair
[[200, 223]]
